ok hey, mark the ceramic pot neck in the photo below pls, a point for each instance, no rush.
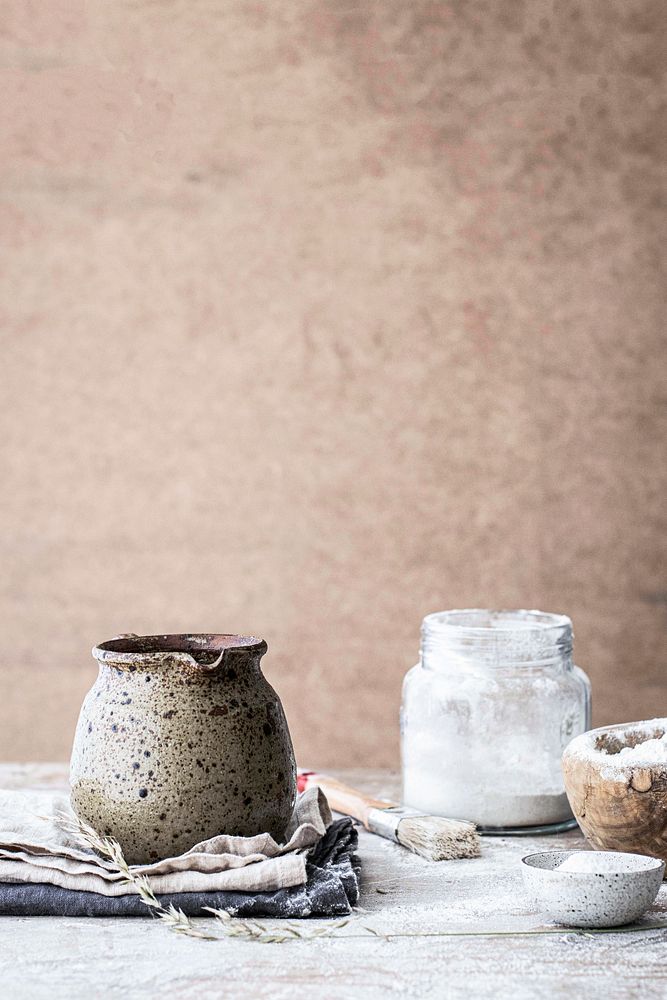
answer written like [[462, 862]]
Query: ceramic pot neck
[[201, 652]]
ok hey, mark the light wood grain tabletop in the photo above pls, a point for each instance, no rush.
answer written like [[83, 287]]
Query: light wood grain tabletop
[[448, 930]]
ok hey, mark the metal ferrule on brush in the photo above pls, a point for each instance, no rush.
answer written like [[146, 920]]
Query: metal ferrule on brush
[[385, 822]]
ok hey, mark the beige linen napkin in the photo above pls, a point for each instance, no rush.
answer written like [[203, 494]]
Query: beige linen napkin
[[34, 848]]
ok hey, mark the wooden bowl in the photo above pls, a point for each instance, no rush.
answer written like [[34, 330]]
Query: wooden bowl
[[620, 805]]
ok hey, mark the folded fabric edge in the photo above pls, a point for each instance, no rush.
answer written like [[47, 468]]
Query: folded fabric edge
[[41, 900], [332, 889], [268, 875], [309, 822]]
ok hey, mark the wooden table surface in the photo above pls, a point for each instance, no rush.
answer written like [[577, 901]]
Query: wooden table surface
[[448, 930]]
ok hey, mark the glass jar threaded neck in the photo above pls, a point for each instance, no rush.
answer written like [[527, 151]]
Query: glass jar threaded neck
[[482, 638]]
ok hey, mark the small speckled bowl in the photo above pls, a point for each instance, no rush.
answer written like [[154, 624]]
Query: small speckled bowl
[[603, 899]]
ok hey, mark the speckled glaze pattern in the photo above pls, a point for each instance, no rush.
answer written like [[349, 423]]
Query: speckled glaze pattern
[[602, 899], [181, 738]]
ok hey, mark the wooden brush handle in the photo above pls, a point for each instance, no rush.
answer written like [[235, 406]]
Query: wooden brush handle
[[342, 798]]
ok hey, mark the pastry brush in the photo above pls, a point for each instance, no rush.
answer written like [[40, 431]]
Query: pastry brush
[[432, 837]]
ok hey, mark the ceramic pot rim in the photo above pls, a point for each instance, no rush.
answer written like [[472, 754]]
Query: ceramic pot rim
[[205, 650]]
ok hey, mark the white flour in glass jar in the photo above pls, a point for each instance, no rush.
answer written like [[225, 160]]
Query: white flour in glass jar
[[486, 715]]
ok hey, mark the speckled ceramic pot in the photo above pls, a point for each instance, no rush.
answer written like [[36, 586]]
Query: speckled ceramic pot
[[181, 738]]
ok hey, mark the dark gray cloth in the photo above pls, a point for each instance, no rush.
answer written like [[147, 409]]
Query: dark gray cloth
[[331, 890]]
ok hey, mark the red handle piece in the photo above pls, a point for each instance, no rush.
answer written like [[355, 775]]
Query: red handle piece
[[302, 780]]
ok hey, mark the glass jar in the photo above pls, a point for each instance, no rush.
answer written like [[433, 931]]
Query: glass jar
[[485, 717]]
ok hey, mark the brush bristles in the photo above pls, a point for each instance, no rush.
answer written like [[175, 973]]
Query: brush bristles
[[439, 839]]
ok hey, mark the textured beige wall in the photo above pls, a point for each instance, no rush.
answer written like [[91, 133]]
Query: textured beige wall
[[318, 316]]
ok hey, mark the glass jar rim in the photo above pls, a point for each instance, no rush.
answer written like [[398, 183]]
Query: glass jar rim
[[498, 637], [485, 621]]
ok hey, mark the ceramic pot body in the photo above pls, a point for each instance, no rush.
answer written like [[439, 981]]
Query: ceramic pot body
[[181, 738]]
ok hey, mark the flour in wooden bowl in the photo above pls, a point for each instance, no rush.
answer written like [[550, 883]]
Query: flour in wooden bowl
[[616, 781]]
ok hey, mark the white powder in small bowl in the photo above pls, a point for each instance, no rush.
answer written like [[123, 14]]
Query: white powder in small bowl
[[592, 863], [608, 863]]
